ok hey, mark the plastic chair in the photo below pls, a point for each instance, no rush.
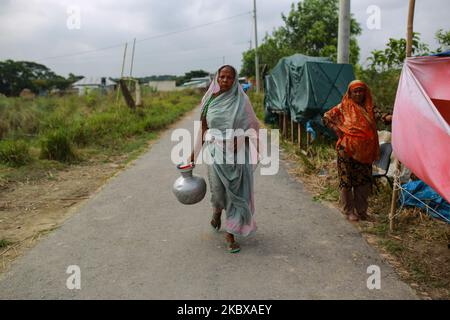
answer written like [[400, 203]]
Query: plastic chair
[[383, 163]]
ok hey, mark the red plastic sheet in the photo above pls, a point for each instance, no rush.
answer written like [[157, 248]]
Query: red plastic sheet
[[421, 121]]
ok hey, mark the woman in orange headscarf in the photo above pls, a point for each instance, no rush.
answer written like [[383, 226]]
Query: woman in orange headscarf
[[354, 122]]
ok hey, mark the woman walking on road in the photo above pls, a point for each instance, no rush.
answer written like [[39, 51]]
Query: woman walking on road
[[225, 106]]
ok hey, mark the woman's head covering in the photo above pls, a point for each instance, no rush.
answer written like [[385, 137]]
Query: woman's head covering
[[231, 109], [358, 125], [368, 102], [214, 87]]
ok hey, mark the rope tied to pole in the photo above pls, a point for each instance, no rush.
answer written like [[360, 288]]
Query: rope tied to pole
[[428, 208]]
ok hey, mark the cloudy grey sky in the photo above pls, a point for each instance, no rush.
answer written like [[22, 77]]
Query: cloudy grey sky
[[171, 35]]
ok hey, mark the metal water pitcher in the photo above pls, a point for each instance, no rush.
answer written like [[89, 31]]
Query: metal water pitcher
[[189, 189]]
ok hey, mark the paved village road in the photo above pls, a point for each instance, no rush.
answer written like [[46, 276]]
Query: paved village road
[[133, 240]]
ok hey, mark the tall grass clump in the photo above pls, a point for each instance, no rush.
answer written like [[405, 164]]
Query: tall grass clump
[[14, 153], [56, 145], [18, 118]]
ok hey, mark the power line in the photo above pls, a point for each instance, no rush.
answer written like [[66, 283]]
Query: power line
[[149, 54], [83, 52], [149, 38], [195, 27]]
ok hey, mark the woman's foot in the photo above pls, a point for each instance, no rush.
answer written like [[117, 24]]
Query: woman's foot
[[352, 217], [233, 246], [216, 221], [365, 217]]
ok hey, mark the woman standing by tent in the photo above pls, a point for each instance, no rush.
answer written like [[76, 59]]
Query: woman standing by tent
[[225, 106], [354, 122]]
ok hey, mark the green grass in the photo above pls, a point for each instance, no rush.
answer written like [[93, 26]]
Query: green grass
[[392, 246], [4, 243], [37, 134], [257, 100], [14, 153], [329, 193], [380, 229]]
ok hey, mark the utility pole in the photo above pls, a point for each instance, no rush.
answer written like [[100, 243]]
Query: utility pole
[[123, 67], [343, 53], [132, 58], [131, 70], [123, 61], [256, 48]]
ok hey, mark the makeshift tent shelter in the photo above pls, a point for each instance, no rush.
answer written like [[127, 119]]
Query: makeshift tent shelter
[[306, 87], [421, 120]]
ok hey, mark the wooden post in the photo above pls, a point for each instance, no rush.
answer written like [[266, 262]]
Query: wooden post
[[398, 167], [284, 124], [288, 119], [292, 131], [299, 135], [280, 121]]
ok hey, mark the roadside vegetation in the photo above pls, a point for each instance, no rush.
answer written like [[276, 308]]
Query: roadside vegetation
[[417, 247], [70, 129], [56, 151]]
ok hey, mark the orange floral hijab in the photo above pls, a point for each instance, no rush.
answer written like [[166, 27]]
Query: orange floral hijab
[[357, 125]]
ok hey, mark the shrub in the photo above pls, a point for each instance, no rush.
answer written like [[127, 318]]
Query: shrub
[[79, 134], [57, 145], [17, 117], [91, 98], [14, 153]]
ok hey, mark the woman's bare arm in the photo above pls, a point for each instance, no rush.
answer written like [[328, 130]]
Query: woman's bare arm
[[199, 141]]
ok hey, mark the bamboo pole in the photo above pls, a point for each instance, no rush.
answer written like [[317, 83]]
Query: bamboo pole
[[398, 167], [409, 35]]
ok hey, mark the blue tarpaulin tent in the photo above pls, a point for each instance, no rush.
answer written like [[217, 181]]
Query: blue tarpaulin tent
[[418, 194]]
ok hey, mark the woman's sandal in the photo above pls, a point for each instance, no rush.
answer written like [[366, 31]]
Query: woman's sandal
[[233, 247], [216, 221]]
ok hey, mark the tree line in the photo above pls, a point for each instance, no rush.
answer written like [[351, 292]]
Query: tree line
[[18, 75], [311, 28]]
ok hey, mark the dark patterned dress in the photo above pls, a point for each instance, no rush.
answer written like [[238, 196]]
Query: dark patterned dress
[[351, 172]]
